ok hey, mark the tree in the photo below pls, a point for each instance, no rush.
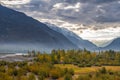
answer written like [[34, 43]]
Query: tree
[[103, 70]]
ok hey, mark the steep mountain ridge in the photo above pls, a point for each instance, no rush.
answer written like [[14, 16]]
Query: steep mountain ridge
[[16, 28]]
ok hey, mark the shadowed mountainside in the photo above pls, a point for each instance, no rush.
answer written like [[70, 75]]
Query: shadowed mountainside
[[16, 29]]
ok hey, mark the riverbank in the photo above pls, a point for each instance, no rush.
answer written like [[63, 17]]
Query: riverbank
[[14, 57]]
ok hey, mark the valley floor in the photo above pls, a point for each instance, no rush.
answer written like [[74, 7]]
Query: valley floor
[[15, 58], [61, 65], [86, 70]]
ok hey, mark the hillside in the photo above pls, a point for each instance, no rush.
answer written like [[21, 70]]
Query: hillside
[[81, 43], [20, 32], [114, 45]]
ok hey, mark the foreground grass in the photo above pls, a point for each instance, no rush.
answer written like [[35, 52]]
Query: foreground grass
[[85, 70]]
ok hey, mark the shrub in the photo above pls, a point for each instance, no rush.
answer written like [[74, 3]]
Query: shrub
[[68, 77], [55, 73], [14, 72], [85, 77], [80, 65], [88, 65], [41, 77], [71, 71], [103, 70], [65, 70], [31, 77], [4, 76]]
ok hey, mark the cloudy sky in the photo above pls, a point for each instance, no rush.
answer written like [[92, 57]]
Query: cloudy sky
[[94, 20]]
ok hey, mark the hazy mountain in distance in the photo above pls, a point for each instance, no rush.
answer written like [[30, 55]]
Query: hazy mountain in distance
[[74, 38], [114, 45], [19, 32]]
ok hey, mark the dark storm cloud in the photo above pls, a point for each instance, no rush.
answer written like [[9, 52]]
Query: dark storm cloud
[[90, 11], [111, 14], [104, 1], [99, 13]]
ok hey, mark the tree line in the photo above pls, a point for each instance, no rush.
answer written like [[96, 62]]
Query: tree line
[[42, 66]]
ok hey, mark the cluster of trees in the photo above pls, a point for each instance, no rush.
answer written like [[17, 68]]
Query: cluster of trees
[[85, 58], [42, 66]]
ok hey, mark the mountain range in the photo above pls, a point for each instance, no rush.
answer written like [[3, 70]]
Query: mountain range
[[20, 32], [114, 45], [81, 43], [74, 38]]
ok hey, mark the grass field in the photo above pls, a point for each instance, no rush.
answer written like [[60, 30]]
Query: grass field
[[85, 70]]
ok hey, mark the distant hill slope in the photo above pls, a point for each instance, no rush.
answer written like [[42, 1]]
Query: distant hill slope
[[74, 38], [114, 45], [19, 32]]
